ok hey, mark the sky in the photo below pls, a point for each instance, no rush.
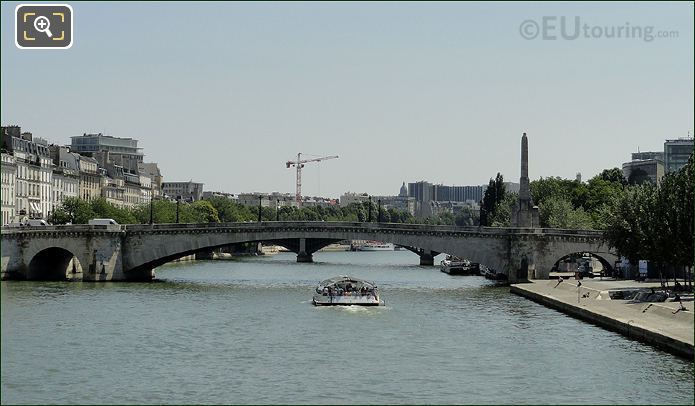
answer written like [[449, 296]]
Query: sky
[[226, 93]]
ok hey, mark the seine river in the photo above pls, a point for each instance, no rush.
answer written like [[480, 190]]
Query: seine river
[[245, 331]]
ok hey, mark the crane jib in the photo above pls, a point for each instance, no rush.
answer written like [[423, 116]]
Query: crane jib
[[299, 164]]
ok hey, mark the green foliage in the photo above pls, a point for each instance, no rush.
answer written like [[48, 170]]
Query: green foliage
[[78, 211], [467, 217], [613, 175], [572, 204], [75, 211], [229, 211], [502, 215], [542, 189], [494, 194], [629, 229], [558, 212], [204, 212], [656, 224]]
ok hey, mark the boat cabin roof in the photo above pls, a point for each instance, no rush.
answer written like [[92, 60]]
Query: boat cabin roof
[[344, 280]]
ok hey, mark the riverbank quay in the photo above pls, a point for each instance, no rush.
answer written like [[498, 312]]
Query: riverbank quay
[[659, 324]]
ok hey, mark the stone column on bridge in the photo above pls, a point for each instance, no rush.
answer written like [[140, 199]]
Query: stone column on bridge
[[524, 213], [302, 254], [427, 258]]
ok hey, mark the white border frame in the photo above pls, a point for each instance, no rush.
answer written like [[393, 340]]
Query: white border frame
[[72, 23]]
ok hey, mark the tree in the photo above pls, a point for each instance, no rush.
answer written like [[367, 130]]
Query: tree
[[163, 211], [205, 212], [78, 210], [655, 223], [558, 212], [502, 214], [626, 225], [613, 175], [60, 216], [494, 194], [467, 217], [676, 207]]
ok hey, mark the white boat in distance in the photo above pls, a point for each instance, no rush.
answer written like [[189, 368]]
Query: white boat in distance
[[345, 290], [376, 246]]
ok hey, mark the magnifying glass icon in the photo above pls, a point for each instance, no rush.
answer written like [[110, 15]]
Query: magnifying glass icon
[[43, 24]]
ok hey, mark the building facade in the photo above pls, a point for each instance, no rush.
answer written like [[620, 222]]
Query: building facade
[[188, 191], [37, 177], [120, 151], [9, 177], [676, 153], [151, 170], [66, 175], [34, 183], [658, 155], [638, 171], [349, 198], [90, 178]]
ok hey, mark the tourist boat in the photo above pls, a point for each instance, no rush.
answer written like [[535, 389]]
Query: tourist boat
[[345, 290], [375, 246], [456, 266]]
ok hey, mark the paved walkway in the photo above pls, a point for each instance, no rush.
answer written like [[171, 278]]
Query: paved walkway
[[655, 323]]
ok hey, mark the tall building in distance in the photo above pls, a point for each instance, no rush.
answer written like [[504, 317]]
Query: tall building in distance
[[642, 170], [421, 191], [424, 192], [676, 153], [658, 155], [100, 142], [427, 197]]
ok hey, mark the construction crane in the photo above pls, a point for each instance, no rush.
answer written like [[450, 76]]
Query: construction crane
[[299, 164]]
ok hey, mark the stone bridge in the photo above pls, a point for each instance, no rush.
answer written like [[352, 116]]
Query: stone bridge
[[131, 252]]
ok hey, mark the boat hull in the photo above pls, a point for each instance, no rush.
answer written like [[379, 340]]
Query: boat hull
[[346, 301], [457, 270]]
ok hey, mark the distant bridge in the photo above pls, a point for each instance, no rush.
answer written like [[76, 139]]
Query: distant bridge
[[131, 252]]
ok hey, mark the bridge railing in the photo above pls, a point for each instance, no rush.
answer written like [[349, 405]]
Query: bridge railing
[[314, 225], [375, 226], [63, 227]]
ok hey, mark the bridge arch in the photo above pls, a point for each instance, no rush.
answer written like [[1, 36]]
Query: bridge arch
[[54, 264], [603, 258]]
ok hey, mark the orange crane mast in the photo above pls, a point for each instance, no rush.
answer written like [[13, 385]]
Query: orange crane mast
[[299, 164]]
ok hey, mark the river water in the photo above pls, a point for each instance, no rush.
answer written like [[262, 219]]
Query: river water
[[245, 331]]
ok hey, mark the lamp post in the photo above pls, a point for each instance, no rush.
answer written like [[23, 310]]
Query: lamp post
[[378, 215], [370, 210], [260, 199], [151, 206], [277, 210], [178, 202]]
